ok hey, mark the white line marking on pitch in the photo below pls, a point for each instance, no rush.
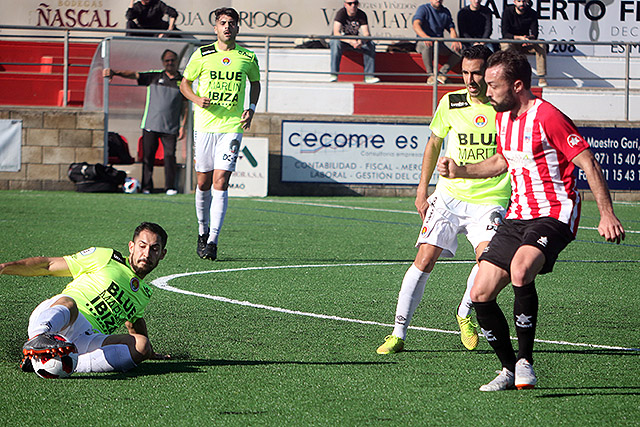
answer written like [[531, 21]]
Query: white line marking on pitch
[[356, 208], [162, 283]]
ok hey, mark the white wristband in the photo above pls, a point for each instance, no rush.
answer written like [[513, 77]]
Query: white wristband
[[252, 107]]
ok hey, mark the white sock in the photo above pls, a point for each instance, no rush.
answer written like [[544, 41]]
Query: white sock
[[109, 358], [219, 202], [203, 207], [466, 306], [52, 320], [409, 297]]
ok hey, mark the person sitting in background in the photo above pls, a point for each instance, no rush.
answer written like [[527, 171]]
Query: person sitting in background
[[475, 22], [149, 15], [351, 21], [430, 20], [520, 22]]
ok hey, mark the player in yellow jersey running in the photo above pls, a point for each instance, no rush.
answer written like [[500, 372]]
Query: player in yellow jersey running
[[458, 206], [107, 292], [222, 69]]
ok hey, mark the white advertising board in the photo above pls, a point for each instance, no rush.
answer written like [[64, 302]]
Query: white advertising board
[[580, 20], [10, 145], [251, 177], [386, 18], [353, 153]]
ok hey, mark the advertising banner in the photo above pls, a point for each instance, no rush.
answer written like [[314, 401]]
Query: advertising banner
[[581, 20], [251, 178], [353, 153], [10, 145], [618, 152]]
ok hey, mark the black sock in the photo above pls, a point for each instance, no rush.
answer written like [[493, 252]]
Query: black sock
[[496, 330], [525, 314]]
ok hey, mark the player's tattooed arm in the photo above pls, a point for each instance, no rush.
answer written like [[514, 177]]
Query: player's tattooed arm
[[36, 266]]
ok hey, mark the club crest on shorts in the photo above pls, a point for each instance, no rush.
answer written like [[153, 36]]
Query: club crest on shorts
[[495, 220], [226, 61], [234, 146], [135, 284]]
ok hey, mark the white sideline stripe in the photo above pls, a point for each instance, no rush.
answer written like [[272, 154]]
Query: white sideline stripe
[[356, 208], [596, 229], [324, 205], [162, 283]]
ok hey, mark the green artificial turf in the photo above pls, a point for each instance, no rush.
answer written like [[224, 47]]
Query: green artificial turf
[[295, 345]]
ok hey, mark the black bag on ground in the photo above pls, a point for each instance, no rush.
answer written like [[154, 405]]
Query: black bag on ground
[[96, 178]]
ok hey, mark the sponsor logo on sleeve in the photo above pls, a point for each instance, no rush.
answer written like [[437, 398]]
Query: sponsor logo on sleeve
[[88, 251]]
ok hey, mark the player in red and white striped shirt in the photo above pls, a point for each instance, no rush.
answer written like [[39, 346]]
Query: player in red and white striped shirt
[[540, 148]]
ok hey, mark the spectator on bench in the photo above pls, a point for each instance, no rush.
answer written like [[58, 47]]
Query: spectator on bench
[[475, 21], [520, 22], [431, 20], [351, 21], [149, 15]]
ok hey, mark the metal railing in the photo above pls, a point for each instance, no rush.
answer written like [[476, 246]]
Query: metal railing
[[270, 42]]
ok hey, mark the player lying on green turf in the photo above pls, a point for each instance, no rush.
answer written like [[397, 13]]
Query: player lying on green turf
[[107, 292]]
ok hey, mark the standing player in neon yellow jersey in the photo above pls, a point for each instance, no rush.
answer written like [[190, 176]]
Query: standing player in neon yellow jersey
[[458, 206], [222, 69]]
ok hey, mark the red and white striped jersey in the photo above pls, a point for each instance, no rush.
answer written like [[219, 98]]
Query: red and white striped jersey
[[538, 146]]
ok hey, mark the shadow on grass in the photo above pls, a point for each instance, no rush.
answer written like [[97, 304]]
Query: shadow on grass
[[195, 366], [448, 350], [589, 391]]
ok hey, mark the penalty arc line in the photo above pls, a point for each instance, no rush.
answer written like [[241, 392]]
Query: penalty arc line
[[163, 283]]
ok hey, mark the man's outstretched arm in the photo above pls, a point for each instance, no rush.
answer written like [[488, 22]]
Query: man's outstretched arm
[[36, 266]]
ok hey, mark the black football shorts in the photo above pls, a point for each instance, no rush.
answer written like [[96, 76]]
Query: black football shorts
[[547, 234]]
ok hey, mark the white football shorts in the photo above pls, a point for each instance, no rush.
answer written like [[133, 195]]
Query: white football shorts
[[81, 333], [216, 151], [447, 217]]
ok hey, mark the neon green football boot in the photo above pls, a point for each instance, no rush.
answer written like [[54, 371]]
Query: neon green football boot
[[392, 344], [468, 332]]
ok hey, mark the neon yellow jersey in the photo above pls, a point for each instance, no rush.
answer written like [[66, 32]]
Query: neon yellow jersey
[[106, 289], [472, 138], [222, 77]]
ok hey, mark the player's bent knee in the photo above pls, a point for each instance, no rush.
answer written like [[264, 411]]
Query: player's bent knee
[[478, 295], [70, 303], [521, 276]]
